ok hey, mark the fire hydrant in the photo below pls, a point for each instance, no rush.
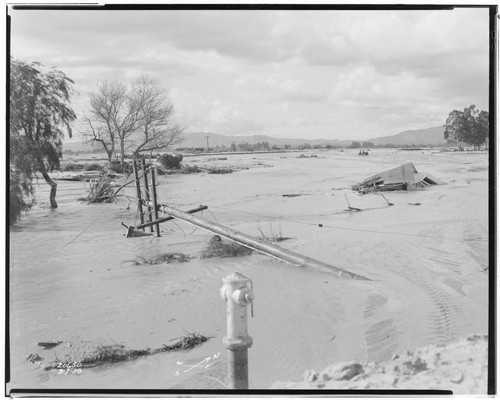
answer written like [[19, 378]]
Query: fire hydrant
[[238, 295]]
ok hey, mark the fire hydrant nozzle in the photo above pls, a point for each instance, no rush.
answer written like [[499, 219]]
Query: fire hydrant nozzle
[[242, 296]]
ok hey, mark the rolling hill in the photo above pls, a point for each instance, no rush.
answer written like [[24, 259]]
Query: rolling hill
[[419, 137], [198, 139]]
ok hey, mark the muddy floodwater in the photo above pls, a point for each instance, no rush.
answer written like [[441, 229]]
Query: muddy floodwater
[[71, 278]]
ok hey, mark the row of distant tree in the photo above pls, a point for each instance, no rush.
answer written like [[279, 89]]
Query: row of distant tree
[[265, 146]]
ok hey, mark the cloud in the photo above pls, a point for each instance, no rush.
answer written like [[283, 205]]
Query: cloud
[[286, 72], [280, 88], [366, 86]]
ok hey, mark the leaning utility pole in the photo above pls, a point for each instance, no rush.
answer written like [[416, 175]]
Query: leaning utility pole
[[260, 245]]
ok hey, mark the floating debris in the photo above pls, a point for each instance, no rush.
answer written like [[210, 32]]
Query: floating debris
[[388, 202], [49, 345], [404, 177], [187, 169], [184, 343], [272, 236], [131, 232], [34, 358], [89, 354], [219, 248], [101, 190], [166, 258], [349, 208], [171, 161], [311, 156], [220, 170]]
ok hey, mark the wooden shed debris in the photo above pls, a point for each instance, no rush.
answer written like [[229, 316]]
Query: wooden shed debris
[[404, 177]]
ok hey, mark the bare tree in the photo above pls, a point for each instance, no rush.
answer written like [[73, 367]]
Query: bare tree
[[104, 109], [136, 117], [157, 129]]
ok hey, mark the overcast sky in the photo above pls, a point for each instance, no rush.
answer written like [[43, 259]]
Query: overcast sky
[[307, 74]]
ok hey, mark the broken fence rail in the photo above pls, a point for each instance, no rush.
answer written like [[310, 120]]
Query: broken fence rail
[[159, 207]]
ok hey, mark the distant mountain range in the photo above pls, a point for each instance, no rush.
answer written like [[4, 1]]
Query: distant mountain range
[[199, 139], [419, 137]]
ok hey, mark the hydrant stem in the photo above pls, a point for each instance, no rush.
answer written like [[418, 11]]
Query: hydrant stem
[[238, 295]]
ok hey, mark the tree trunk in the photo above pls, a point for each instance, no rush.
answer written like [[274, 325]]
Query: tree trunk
[[53, 189], [122, 151], [46, 177], [110, 156]]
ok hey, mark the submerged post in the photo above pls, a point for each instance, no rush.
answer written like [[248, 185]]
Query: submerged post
[[138, 188], [146, 188], [238, 295], [155, 200]]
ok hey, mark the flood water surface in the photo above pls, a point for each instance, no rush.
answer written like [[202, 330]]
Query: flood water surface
[[72, 279]]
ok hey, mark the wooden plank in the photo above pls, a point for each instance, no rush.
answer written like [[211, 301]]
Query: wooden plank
[[146, 224], [262, 246]]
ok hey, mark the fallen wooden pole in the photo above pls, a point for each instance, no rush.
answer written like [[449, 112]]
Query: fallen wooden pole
[[261, 245], [146, 224]]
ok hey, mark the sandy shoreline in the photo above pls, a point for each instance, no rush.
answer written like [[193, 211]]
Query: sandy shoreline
[[461, 367]]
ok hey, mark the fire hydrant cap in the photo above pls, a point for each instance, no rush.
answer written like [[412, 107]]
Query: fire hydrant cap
[[235, 277]]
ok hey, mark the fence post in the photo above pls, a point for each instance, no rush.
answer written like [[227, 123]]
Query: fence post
[[155, 200], [146, 188], [138, 188], [238, 295]]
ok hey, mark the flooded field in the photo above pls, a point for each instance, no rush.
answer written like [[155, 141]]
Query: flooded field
[[71, 279]]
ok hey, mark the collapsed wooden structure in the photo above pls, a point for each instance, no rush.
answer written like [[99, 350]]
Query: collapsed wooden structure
[[151, 205], [404, 177]]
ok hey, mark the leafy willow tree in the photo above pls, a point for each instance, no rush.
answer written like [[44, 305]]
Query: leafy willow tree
[[136, 117], [470, 126], [40, 114]]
